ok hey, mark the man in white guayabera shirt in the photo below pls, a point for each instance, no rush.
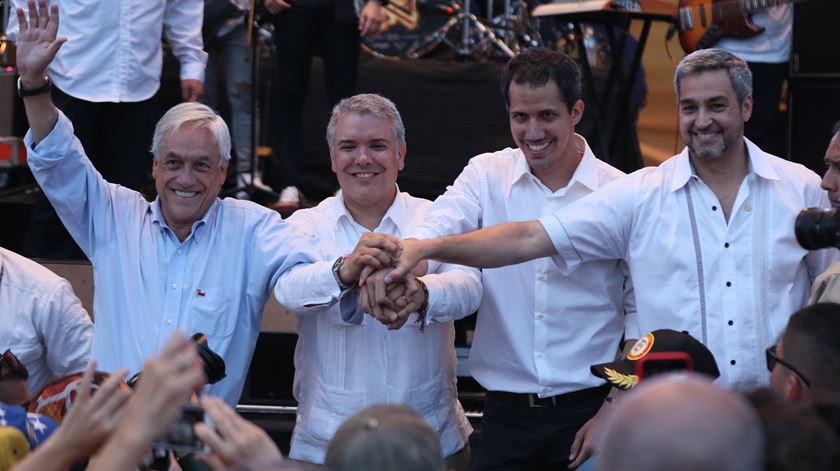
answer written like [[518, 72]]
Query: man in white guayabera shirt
[[708, 235], [346, 361]]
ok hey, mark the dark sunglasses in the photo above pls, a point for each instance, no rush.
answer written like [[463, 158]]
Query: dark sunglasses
[[12, 368], [772, 358]]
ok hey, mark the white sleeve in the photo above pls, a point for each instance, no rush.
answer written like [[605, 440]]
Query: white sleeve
[[182, 22]]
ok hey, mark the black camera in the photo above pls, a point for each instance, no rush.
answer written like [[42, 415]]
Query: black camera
[[818, 228]]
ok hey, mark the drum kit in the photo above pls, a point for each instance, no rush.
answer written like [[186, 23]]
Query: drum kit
[[415, 28]]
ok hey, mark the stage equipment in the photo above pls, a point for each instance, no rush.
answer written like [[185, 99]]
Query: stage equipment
[[414, 28], [616, 140], [704, 22]]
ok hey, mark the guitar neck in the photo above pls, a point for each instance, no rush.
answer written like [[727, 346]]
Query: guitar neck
[[752, 5]]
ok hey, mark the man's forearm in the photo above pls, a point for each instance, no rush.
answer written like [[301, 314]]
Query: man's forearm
[[496, 246], [41, 113]]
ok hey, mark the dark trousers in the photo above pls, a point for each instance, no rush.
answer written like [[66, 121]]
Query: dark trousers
[[515, 436], [116, 138], [767, 127], [299, 33]]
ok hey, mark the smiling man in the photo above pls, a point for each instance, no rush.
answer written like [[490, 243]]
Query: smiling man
[[186, 261], [532, 349], [346, 361], [708, 235]]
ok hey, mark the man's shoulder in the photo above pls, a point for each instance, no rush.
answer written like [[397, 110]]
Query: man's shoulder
[[23, 273]]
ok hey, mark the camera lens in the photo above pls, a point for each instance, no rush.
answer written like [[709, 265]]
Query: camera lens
[[817, 229]]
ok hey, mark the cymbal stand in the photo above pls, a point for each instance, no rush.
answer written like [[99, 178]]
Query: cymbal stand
[[475, 36]]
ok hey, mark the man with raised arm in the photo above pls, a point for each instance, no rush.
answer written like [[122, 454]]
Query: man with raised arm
[[344, 360], [187, 260], [708, 235]]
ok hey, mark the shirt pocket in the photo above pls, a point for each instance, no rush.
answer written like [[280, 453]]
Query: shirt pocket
[[211, 313]]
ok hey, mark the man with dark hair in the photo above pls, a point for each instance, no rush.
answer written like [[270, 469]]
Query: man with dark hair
[[707, 235], [805, 364], [531, 350]]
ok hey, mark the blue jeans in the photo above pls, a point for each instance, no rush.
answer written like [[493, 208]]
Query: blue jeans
[[227, 55]]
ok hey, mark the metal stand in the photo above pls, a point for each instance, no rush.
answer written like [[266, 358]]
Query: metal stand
[[475, 35]]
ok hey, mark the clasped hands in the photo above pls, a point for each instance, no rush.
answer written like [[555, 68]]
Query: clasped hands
[[384, 269]]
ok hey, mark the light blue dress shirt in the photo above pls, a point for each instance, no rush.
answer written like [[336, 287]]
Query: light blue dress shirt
[[147, 283]]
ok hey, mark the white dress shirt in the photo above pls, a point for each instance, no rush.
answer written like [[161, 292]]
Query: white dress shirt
[[343, 366], [537, 331], [754, 273], [148, 283], [113, 50], [41, 320]]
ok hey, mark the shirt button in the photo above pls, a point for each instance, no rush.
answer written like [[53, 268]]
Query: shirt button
[[714, 208], [726, 245], [731, 362], [539, 355], [179, 252], [541, 277], [540, 316], [168, 321], [174, 285], [748, 208], [546, 389], [728, 284], [731, 322]]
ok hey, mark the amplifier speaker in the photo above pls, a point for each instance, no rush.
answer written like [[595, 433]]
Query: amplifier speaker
[[814, 108], [814, 52]]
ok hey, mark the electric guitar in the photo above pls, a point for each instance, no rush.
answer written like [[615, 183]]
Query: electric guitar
[[703, 22]]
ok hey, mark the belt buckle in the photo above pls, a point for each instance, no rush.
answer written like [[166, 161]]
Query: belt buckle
[[533, 404]]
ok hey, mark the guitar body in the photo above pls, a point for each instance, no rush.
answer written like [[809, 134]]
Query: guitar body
[[703, 22]]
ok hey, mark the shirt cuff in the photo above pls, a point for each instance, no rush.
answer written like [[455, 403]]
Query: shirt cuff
[[567, 257], [192, 71], [351, 313]]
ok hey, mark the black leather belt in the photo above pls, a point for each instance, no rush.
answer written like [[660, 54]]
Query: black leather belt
[[528, 400]]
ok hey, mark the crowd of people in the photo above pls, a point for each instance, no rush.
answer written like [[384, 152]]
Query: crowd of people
[[581, 275]]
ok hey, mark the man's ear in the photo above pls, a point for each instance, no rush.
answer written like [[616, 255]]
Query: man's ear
[[794, 389], [577, 112]]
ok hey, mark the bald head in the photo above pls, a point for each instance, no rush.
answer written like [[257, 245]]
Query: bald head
[[684, 423]]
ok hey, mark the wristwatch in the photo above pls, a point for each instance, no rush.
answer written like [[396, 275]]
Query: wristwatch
[[25, 92], [336, 270]]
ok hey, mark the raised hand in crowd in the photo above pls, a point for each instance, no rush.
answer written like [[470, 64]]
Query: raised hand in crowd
[[89, 422], [37, 45], [36, 48], [235, 442], [167, 383]]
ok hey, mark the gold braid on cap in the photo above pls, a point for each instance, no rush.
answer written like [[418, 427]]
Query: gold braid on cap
[[621, 380]]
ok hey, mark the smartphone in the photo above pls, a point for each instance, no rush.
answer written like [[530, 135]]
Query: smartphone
[[181, 437], [663, 362]]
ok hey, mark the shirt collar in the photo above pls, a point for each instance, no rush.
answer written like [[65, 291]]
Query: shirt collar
[[397, 213], [586, 172], [197, 227], [758, 160]]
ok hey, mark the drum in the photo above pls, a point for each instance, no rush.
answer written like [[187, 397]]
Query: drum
[[412, 29]]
